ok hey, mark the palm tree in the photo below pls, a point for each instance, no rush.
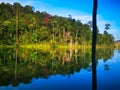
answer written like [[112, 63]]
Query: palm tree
[[94, 82]]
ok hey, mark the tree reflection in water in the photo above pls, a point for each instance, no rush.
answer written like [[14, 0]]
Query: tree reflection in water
[[21, 65]]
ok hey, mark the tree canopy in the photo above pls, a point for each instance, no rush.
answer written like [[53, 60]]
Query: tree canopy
[[41, 27]]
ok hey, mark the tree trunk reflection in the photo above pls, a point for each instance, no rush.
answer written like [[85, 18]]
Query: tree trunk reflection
[[16, 62]]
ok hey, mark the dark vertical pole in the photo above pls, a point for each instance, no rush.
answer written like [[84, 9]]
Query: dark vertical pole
[[94, 22]]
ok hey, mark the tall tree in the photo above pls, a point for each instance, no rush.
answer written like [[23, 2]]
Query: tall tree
[[94, 21], [107, 27], [46, 19], [17, 25], [90, 23]]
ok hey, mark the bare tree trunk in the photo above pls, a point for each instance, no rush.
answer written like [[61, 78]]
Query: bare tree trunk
[[17, 26], [94, 81], [70, 42], [76, 36], [64, 34], [53, 34]]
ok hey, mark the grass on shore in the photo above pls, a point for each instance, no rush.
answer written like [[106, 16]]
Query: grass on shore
[[50, 46]]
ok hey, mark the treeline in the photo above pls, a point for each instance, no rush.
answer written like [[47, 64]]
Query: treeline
[[41, 27]]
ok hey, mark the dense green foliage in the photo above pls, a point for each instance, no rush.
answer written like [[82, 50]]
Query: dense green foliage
[[41, 27], [21, 65]]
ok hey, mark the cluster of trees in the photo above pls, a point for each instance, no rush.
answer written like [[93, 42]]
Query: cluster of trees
[[21, 65], [23, 25]]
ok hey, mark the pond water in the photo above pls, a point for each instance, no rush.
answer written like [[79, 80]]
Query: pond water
[[25, 69]]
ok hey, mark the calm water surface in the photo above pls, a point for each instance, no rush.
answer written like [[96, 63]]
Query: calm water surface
[[22, 69]]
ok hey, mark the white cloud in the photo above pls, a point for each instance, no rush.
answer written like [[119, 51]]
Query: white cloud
[[113, 30], [101, 24], [8, 1], [83, 18], [23, 2]]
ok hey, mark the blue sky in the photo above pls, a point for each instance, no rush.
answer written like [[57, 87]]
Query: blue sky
[[108, 11]]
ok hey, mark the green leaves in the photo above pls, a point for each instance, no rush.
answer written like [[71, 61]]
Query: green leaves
[[6, 23], [42, 27]]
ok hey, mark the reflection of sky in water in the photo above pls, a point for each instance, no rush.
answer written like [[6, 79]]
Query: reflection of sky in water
[[106, 79], [78, 81], [74, 82], [110, 79]]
